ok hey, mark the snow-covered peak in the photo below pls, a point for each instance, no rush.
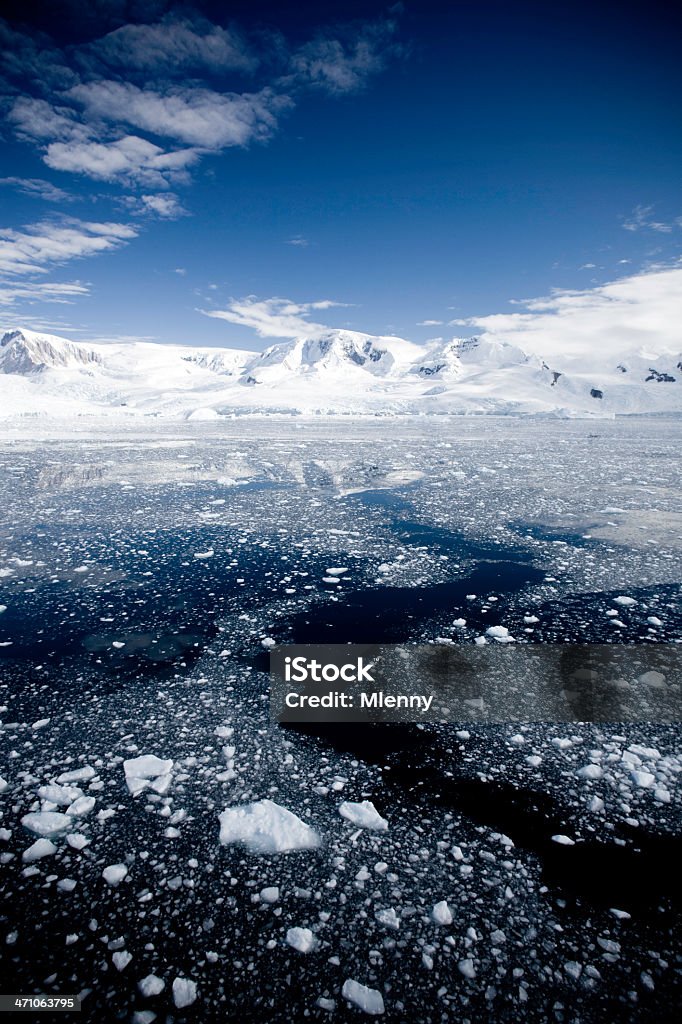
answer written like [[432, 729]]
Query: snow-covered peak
[[23, 351], [337, 350], [224, 361]]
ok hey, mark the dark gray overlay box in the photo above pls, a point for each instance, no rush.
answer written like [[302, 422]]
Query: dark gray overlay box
[[491, 683]]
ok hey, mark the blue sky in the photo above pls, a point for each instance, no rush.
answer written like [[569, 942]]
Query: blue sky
[[417, 164]]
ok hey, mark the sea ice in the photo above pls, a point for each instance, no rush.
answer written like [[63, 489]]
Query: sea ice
[[265, 827], [145, 771], [46, 823], [41, 848], [441, 913], [368, 999], [364, 815], [184, 992], [114, 873], [301, 939]]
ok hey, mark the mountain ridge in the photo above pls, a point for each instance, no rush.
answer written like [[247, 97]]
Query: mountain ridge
[[333, 372]]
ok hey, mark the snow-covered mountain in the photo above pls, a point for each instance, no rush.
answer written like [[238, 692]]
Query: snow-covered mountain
[[335, 372]]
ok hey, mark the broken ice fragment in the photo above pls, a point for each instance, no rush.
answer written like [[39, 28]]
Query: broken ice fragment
[[114, 873], [41, 848], [364, 815], [184, 992], [368, 999], [265, 827], [441, 913], [301, 939], [46, 823]]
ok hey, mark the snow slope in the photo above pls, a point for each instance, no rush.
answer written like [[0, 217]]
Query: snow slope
[[336, 372]]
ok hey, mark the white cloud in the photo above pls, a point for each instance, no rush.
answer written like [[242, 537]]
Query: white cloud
[[42, 291], [39, 121], [175, 44], [342, 65], [274, 318], [640, 312], [29, 250], [88, 124], [38, 187], [641, 220], [197, 117], [161, 204], [429, 323], [129, 158], [299, 241]]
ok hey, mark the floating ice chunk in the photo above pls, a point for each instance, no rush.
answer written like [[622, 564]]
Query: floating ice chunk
[[41, 848], [140, 771], [4, 784], [622, 915], [326, 1004], [644, 780], [270, 894], [151, 985], [368, 999], [77, 840], [337, 571], [60, 795], [46, 823], [82, 806], [563, 840], [651, 753], [364, 815], [624, 602], [114, 873], [656, 680], [77, 775], [67, 884], [122, 959], [162, 784], [148, 766], [143, 1017], [40, 724], [609, 945], [459, 623], [204, 554], [184, 992], [301, 939], [441, 913], [388, 918], [499, 633], [529, 619], [590, 771], [3, 608], [265, 827], [267, 641], [653, 620], [466, 967]]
